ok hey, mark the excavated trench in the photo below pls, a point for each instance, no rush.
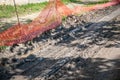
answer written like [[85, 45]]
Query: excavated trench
[[67, 52]]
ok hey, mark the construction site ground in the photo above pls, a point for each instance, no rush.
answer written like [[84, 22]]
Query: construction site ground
[[83, 47]]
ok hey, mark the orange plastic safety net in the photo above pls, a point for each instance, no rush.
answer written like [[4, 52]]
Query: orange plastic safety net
[[78, 9], [49, 18]]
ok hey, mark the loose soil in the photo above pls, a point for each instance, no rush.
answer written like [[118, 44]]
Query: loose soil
[[98, 59]]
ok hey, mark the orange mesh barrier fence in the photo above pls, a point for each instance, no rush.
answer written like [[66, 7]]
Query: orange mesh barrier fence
[[49, 18], [63, 9], [78, 9]]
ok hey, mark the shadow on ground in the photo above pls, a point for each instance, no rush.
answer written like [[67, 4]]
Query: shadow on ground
[[74, 36], [5, 25], [109, 31], [77, 69]]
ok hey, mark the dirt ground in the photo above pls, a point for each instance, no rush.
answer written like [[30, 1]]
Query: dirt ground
[[67, 53], [104, 65]]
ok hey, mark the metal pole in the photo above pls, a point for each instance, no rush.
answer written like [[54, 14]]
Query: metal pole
[[16, 12]]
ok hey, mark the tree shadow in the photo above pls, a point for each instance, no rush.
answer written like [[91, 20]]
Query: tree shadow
[[73, 31], [89, 69], [73, 35], [5, 25], [109, 31], [77, 69]]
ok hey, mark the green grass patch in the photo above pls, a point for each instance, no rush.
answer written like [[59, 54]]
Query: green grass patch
[[66, 1], [2, 48], [7, 11], [89, 3]]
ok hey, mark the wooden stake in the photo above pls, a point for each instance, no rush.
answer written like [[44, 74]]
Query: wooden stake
[[16, 13]]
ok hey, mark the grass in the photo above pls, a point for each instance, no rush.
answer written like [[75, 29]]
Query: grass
[[89, 3], [66, 1], [2, 48], [7, 11]]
